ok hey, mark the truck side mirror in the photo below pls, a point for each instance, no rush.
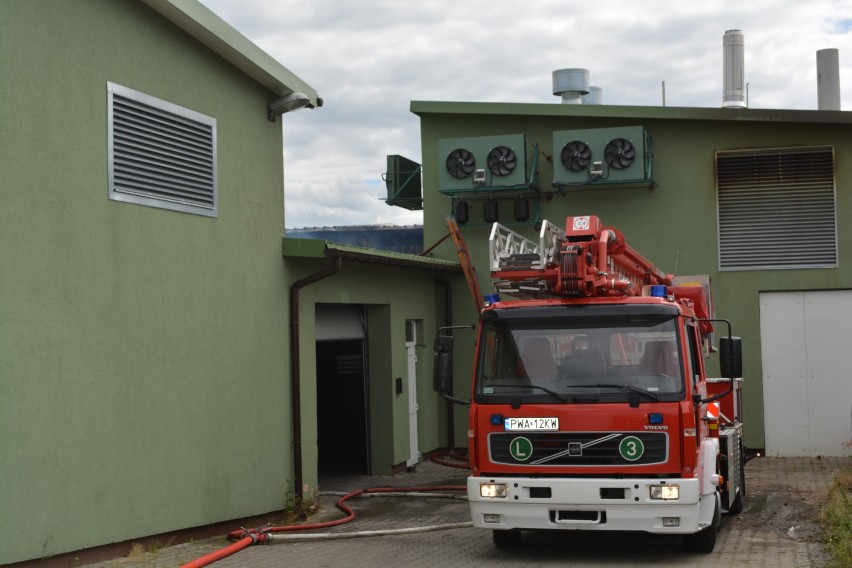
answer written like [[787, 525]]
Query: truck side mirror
[[731, 357], [443, 379]]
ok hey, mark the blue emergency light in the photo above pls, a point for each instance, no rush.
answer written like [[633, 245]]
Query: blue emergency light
[[659, 291]]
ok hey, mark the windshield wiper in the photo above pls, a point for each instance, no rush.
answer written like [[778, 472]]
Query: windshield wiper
[[624, 388], [561, 397]]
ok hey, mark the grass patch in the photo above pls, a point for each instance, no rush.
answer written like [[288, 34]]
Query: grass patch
[[836, 520]]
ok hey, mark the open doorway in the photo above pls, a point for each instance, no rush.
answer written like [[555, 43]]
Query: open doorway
[[343, 430]]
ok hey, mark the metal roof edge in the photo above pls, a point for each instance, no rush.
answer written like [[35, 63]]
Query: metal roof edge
[[220, 37], [422, 108], [319, 248]]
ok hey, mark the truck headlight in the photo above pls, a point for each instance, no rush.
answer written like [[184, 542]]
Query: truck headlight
[[665, 492], [493, 490]]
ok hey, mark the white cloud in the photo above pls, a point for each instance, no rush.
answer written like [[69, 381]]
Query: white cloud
[[369, 59]]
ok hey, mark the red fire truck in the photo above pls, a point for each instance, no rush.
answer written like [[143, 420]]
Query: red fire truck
[[590, 407]]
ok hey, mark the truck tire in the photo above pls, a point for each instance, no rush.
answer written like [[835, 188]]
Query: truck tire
[[705, 539], [506, 539]]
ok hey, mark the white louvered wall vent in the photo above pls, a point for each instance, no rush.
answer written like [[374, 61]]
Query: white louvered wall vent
[[161, 154], [776, 208]]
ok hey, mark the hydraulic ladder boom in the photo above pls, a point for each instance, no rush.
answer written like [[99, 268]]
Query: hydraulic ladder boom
[[586, 259]]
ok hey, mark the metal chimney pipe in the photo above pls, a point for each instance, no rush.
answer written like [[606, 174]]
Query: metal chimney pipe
[[733, 46], [828, 79]]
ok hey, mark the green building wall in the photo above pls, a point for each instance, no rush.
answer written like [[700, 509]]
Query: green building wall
[[674, 225], [391, 296], [143, 367]]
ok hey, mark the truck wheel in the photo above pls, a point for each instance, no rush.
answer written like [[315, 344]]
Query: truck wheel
[[705, 539], [506, 539]]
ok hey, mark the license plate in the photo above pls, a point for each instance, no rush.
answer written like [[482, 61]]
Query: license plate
[[531, 424]]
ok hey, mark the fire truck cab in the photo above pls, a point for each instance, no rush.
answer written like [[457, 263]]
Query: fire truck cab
[[590, 409]]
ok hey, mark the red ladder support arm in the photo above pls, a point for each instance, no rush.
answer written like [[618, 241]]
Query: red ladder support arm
[[605, 263]]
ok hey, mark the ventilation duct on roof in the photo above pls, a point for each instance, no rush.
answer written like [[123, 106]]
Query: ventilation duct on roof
[[571, 85], [733, 46], [828, 79], [595, 96]]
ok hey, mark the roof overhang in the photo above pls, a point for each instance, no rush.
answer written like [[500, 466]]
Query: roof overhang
[[425, 108], [318, 248], [201, 23]]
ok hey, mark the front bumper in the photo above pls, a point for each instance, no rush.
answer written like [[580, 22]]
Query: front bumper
[[586, 504]]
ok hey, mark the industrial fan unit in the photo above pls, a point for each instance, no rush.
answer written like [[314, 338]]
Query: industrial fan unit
[[601, 156], [482, 163]]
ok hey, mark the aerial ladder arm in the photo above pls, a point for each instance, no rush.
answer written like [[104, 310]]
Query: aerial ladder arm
[[586, 259], [605, 264]]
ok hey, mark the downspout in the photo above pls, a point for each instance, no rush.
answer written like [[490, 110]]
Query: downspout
[[296, 368], [448, 317]]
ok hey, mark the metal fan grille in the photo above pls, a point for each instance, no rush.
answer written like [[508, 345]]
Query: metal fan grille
[[576, 156], [619, 153], [502, 161], [460, 163]]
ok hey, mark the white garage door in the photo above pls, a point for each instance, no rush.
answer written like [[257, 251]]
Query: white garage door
[[806, 345]]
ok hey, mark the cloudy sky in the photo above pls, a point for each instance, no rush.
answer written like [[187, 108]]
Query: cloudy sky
[[369, 59]]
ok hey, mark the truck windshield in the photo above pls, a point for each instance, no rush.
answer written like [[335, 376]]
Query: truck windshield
[[579, 359]]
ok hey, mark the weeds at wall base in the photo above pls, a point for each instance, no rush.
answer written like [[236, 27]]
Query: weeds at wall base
[[836, 520]]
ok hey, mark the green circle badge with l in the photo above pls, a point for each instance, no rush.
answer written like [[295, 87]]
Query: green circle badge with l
[[631, 448], [520, 448]]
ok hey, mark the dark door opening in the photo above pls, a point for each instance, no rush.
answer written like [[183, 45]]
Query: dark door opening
[[343, 428]]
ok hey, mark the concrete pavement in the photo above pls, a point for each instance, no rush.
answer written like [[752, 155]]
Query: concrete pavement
[[778, 528]]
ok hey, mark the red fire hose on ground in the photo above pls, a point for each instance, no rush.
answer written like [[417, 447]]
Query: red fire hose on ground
[[452, 459], [247, 537]]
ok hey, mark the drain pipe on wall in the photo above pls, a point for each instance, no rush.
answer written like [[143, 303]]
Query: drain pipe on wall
[[448, 318], [296, 368]]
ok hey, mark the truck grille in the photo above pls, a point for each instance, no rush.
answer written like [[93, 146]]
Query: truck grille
[[538, 449]]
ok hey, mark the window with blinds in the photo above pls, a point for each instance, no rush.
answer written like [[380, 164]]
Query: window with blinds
[[160, 154], [776, 208]]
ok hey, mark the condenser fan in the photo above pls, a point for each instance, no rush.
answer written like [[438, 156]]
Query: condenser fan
[[502, 161], [576, 156], [460, 163], [619, 153]]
